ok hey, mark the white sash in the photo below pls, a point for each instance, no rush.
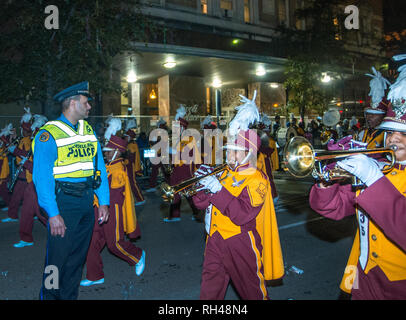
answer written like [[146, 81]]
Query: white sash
[[363, 223], [207, 218]]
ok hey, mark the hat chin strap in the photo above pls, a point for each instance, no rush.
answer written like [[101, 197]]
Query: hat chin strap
[[247, 157], [114, 155], [244, 161]]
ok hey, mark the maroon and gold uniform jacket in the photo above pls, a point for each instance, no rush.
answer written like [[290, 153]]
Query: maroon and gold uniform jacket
[[379, 250], [245, 204], [373, 138], [133, 161], [21, 151], [4, 167], [121, 198]]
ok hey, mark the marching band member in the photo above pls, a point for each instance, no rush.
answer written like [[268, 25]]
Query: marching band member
[[29, 208], [242, 234], [182, 170], [122, 214], [267, 152], [5, 136], [68, 171], [24, 177], [209, 146], [375, 112], [378, 256], [370, 138], [133, 161], [161, 124]]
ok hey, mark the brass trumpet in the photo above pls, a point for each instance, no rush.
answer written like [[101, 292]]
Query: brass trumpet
[[185, 187], [300, 159]]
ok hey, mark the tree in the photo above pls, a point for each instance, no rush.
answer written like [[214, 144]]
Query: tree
[[318, 48], [38, 62], [303, 82]]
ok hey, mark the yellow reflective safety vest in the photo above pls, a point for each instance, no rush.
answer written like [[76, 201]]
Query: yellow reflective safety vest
[[76, 149]]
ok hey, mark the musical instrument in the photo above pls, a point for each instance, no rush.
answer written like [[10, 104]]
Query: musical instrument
[[330, 118], [325, 136], [300, 159], [17, 173], [185, 187], [281, 136], [292, 132]]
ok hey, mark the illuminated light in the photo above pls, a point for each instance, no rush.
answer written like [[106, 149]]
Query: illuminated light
[[361, 101], [131, 77], [341, 111], [339, 104], [216, 83], [274, 85], [275, 105], [169, 64], [325, 78], [260, 72], [152, 95], [235, 41]]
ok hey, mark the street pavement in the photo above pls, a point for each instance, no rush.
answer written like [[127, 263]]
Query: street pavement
[[315, 252]]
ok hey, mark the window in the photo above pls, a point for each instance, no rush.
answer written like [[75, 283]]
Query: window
[[282, 11], [203, 5], [247, 17], [300, 23], [226, 4], [337, 35], [226, 8]]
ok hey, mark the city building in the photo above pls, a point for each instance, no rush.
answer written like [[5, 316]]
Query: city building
[[208, 52]]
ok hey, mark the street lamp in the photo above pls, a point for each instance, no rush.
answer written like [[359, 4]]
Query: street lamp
[[131, 77], [170, 64], [216, 83], [260, 72], [325, 78]]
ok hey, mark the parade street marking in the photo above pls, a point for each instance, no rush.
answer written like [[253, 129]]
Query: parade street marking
[[296, 224]]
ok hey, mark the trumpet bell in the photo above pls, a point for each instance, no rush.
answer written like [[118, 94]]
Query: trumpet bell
[[298, 157], [168, 192]]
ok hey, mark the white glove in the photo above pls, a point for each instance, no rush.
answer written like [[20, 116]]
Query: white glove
[[210, 183], [203, 170], [364, 168]]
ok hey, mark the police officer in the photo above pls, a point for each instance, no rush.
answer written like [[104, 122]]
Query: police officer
[[67, 161]]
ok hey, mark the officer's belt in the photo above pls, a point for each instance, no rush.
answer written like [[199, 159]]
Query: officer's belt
[[75, 189]]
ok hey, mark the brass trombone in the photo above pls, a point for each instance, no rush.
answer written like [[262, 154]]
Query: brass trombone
[[186, 187], [300, 159]]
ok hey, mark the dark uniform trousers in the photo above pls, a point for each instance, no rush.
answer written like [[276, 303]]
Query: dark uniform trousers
[[68, 254]]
